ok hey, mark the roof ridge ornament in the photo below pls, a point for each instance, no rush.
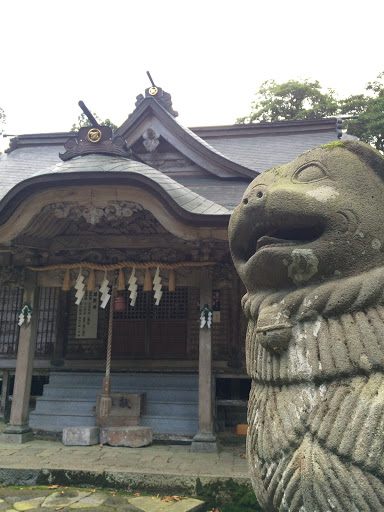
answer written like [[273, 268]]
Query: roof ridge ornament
[[94, 139], [157, 93]]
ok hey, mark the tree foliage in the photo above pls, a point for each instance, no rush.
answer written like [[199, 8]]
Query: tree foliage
[[83, 120], [305, 99], [369, 107], [291, 100]]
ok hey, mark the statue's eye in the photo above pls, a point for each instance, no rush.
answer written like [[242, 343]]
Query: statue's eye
[[309, 172]]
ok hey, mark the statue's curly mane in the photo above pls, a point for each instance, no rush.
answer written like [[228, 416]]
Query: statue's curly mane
[[315, 411], [328, 299]]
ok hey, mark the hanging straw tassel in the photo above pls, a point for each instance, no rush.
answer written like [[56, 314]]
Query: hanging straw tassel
[[91, 281], [172, 281], [147, 281], [67, 281], [121, 281], [105, 405]]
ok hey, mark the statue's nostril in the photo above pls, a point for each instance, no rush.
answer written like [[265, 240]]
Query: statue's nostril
[[245, 200]]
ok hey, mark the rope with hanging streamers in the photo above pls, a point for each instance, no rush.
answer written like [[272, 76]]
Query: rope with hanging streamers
[[125, 264]]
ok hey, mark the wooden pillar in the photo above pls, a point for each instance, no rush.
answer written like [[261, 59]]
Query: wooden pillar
[[205, 439], [4, 396], [60, 333], [18, 430]]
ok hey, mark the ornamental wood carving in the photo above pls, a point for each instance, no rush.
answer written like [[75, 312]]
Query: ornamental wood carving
[[91, 213], [307, 241]]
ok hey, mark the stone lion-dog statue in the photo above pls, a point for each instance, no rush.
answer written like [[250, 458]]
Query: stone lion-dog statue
[[307, 241]]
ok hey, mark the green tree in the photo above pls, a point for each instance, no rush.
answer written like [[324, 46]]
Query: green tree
[[83, 120], [292, 100], [369, 107]]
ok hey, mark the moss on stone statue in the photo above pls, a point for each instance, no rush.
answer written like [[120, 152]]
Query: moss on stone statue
[[334, 144]]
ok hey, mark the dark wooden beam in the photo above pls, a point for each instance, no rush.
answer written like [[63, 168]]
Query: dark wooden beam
[[113, 241]]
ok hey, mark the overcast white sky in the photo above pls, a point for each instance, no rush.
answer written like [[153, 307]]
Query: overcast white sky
[[210, 55]]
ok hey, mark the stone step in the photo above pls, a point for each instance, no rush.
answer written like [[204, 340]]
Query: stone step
[[55, 423], [161, 394], [46, 405], [171, 425], [159, 424], [65, 406], [155, 380], [171, 408], [69, 399]]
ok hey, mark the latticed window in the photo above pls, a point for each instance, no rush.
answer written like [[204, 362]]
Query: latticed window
[[172, 306], [10, 305], [47, 321], [149, 330]]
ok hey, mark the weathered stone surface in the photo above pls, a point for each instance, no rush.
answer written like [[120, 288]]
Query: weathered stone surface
[[64, 499], [80, 436], [307, 241], [127, 508], [93, 500], [16, 438], [133, 437], [28, 504], [152, 504]]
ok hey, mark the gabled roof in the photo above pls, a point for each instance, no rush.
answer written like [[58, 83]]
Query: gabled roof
[[260, 146], [151, 114]]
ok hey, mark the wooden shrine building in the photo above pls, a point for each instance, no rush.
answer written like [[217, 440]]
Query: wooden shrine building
[[140, 214]]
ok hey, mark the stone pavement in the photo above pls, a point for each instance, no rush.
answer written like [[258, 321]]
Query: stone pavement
[[164, 469], [74, 500]]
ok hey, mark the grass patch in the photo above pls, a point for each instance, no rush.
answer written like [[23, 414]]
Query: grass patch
[[227, 496]]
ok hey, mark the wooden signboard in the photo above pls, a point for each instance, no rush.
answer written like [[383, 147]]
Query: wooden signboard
[[87, 316], [127, 409]]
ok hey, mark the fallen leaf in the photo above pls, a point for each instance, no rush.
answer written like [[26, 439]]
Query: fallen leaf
[[53, 487], [59, 508], [100, 445], [137, 494], [176, 498]]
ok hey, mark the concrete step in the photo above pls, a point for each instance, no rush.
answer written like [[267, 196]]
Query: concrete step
[[172, 400], [89, 392], [45, 405], [172, 408], [159, 424], [65, 406], [171, 425], [55, 423], [156, 380]]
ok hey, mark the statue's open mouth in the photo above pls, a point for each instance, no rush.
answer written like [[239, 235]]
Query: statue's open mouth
[[290, 236]]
